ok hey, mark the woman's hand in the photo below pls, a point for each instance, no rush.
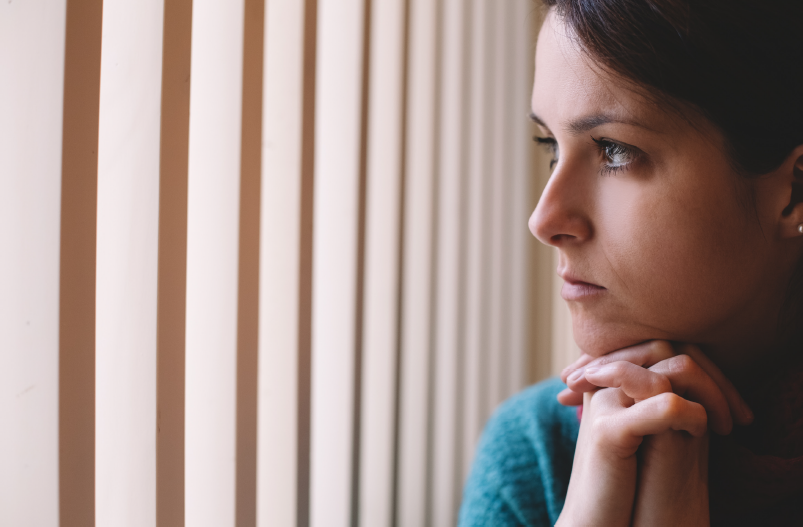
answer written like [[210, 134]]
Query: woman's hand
[[616, 419], [672, 465], [689, 378], [602, 487]]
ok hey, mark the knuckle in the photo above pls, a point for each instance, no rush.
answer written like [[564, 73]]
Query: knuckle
[[608, 430], [664, 350], [660, 346], [661, 384], [600, 361], [682, 364], [617, 369], [606, 396], [670, 405], [698, 417]]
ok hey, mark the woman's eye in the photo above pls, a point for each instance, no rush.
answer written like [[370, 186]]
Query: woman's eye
[[551, 145], [617, 156]]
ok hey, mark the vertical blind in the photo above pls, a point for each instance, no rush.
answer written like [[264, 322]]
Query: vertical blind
[[265, 262]]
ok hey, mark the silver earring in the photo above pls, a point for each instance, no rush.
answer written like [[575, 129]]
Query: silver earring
[[800, 228]]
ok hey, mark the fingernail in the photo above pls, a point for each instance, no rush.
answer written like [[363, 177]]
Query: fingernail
[[576, 375], [592, 370]]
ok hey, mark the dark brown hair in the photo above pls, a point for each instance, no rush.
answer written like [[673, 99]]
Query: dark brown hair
[[738, 62]]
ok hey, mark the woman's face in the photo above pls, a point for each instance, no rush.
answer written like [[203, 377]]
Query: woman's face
[[657, 237]]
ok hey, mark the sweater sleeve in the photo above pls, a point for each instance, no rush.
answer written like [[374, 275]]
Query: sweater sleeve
[[523, 462]]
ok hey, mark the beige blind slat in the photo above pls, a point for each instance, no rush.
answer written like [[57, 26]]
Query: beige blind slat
[[518, 210], [128, 205], [284, 307], [475, 255], [451, 266], [212, 261], [337, 166], [32, 55], [381, 305], [496, 352], [417, 272]]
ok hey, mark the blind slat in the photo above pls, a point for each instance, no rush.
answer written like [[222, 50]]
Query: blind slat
[[212, 261], [475, 256], [284, 303], [417, 273], [30, 181], [451, 236], [518, 278], [496, 175], [128, 204], [337, 166], [381, 305]]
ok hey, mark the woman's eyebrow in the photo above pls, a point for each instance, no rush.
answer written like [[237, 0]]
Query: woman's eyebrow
[[537, 120], [582, 125]]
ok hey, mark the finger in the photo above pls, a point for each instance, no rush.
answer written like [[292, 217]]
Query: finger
[[690, 381], [608, 399], [570, 398], [680, 374], [739, 409], [571, 368], [667, 411], [636, 382], [645, 354]]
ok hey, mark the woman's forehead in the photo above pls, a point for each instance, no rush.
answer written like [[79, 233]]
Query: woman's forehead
[[569, 88]]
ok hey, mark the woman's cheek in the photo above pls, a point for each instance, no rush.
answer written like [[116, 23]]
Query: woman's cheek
[[665, 258], [677, 271], [650, 275]]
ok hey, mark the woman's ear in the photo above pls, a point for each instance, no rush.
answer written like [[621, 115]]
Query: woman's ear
[[792, 217]]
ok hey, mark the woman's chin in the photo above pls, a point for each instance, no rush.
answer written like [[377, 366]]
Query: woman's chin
[[597, 339]]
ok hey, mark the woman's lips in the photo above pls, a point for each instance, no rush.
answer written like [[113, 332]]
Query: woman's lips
[[574, 290]]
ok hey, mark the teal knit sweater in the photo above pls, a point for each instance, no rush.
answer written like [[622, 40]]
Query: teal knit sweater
[[523, 462], [524, 459]]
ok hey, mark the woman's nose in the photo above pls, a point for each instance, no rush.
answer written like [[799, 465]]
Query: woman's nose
[[562, 214]]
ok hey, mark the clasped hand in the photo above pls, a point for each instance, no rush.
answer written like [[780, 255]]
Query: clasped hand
[[642, 451]]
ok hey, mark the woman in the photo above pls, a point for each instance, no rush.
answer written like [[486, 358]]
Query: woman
[[676, 207]]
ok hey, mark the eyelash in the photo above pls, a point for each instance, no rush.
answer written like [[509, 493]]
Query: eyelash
[[607, 148], [551, 146]]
